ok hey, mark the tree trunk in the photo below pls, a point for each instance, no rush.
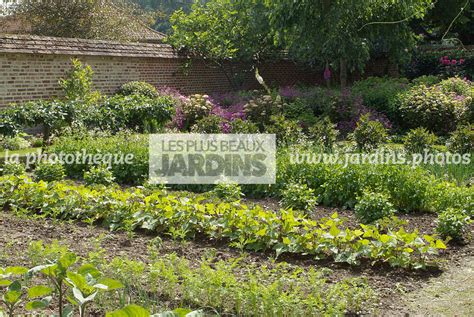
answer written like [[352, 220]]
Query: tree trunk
[[343, 73]]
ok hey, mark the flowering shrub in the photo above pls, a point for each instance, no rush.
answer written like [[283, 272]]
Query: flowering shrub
[[433, 108], [451, 66]]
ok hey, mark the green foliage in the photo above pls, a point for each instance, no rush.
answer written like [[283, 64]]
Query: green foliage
[[244, 227], [299, 197], [453, 223], [195, 108], [14, 143], [288, 132], [369, 135], [373, 206], [239, 126], [138, 88], [99, 175], [208, 124], [427, 80], [462, 140], [418, 140], [261, 109], [324, 132], [433, 108], [78, 83], [12, 168], [378, 93], [116, 147], [134, 112], [458, 86], [49, 171], [228, 192]]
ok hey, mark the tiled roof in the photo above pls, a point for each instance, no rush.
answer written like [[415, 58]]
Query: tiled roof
[[30, 44]]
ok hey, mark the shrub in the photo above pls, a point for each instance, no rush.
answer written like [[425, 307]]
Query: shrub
[[116, 147], [13, 168], [324, 132], [228, 192], [300, 111], [208, 124], [453, 223], [138, 88], [373, 206], [99, 175], [49, 172], [299, 197], [261, 109], [369, 134], [427, 80], [78, 84], [458, 86], [191, 110], [14, 143], [239, 126], [135, 112], [288, 132], [462, 140], [432, 108], [417, 140], [377, 93]]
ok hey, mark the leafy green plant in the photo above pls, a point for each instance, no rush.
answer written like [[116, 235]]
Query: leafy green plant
[[138, 88], [49, 171], [427, 80], [239, 126], [373, 206], [299, 197], [208, 124], [14, 143], [433, 108], [453, 223], [78, 83], [418, 140], [228, 192], [193, 109], [99, 175], [288, 132], [12, 168], [324, 132], [369, 135], [261, 109], [462, 140]]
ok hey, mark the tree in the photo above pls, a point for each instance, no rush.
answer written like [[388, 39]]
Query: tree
[[223, 33], [344, 32], [87, 19]]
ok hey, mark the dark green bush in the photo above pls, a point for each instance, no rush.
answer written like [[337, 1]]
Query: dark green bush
[[208, 124], [369, 135], [49, 172], [138, 88], [372, 206], [462, 140], [427, 80], [239, 126], [419, 139], [378, 92]]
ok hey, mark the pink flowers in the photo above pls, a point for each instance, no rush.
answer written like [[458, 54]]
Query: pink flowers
[[446, 61]]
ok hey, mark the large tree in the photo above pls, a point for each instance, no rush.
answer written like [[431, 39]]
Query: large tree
[[223, 33], [88, 19], [344, 32]]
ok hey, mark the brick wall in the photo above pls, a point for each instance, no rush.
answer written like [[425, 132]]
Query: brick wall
[[30, 68]]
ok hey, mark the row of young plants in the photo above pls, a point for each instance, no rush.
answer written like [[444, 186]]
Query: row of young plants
[[336, 185], [242, 226], [234, 286], [65, 285]]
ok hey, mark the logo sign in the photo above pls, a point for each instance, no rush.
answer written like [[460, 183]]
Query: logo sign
[[212, 158]]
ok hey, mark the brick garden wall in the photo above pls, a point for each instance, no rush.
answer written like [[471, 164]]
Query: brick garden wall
[[30, 68]]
